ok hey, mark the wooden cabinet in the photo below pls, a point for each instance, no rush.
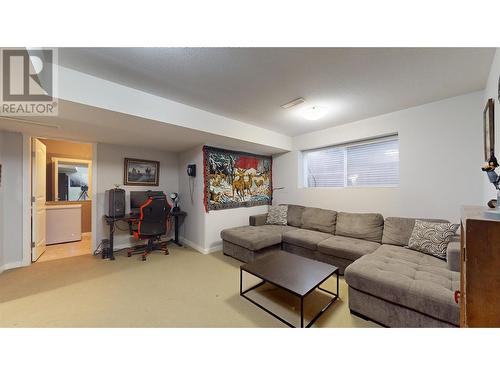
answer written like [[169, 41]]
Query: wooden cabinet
[[480, 268]]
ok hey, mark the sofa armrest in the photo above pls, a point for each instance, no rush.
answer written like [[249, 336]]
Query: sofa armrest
[[256, 220], [453, 254]]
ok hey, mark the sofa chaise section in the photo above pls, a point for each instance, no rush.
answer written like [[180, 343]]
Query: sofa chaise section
[[399, 287], [248, 242]]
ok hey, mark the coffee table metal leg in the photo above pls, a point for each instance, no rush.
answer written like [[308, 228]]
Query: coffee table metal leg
[[337, 282], [244, 292], [335, 297]]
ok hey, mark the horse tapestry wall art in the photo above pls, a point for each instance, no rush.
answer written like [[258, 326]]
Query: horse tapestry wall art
[[236, 179]]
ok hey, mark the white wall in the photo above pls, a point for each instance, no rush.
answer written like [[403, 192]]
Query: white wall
[[440, 160], [491, 91], [201, 230], [192, 230], [11, 240], [110, 164], [215, 221]]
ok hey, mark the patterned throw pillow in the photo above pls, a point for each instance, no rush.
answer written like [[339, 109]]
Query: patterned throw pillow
[[432, 238], [277, 215]]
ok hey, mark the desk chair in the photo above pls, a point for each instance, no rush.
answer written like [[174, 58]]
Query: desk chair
[[151, 225]]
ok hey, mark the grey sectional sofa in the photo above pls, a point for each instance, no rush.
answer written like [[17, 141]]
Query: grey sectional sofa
[[388, 283], [325, 235]]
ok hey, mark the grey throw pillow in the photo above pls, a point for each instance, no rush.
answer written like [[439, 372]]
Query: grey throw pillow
[[432, 238], [277, 215]]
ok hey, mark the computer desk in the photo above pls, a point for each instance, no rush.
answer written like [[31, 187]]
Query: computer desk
[[108, 253], [111, 220], [177, 215]]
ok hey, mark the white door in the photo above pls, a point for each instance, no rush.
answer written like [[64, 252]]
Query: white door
[[39, 165]]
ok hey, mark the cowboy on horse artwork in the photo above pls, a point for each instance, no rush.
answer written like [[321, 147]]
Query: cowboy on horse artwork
[[236, 179]]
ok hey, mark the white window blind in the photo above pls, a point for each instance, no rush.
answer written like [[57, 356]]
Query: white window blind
[[369, 163]]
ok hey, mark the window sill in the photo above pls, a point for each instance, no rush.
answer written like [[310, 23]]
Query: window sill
[[351, 187]]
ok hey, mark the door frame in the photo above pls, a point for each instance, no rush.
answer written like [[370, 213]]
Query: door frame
[[27, 193], [36, 206]]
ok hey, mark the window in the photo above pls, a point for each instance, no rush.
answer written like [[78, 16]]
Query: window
[[368, 163]]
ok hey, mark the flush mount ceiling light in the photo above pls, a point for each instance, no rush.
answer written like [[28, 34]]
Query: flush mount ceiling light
[[314, 113], [293, 103]]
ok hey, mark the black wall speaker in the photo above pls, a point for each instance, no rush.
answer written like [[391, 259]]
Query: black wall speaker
[[191, 170], [114, 203]]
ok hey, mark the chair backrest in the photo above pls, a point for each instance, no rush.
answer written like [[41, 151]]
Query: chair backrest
[[153, 216]]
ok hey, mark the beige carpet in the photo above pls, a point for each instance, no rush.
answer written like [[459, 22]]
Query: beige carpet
[[183, 289]]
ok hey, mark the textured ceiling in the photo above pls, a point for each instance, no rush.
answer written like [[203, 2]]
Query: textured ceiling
[[250, 84]]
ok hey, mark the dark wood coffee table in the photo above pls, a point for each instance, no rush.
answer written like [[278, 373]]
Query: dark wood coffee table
[[293, 273]]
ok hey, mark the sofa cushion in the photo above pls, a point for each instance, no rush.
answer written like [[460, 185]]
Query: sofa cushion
[[319, 219], [453, 254], [256, 220], [403, 254], [408, 278], [308, 239], [277, 215], [432, 238], [346, 247], [295, 215], [397, 230], [363, 226], [255, 237]]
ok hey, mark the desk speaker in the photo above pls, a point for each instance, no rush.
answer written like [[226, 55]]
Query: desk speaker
[[114, 203]]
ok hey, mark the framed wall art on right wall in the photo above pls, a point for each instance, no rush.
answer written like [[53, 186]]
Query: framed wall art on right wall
[[489, 129]]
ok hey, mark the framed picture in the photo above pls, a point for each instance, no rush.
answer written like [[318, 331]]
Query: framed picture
[[141, 172], [489, 129]]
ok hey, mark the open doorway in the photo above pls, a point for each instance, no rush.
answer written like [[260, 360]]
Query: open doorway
[[61, 199]]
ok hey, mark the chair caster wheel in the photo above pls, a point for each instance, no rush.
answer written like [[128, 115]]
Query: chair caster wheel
[[143, 258], [166, 252]]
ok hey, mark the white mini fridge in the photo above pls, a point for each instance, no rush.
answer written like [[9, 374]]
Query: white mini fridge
[[64, 223]]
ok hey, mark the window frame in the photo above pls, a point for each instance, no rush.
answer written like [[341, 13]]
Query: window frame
[[345, 145]]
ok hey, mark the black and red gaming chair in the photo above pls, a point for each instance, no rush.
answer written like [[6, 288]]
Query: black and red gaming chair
[[151, 225]]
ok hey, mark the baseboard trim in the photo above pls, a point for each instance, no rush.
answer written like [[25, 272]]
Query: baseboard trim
[[11, 265], [201, 249], [214, 249]]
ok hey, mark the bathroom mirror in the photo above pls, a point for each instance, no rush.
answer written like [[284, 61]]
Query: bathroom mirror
[[72, 179]]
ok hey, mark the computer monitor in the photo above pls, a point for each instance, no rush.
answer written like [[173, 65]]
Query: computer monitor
[[138, 198]]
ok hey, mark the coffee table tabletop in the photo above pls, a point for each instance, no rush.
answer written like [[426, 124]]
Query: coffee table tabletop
[[294, 273]]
